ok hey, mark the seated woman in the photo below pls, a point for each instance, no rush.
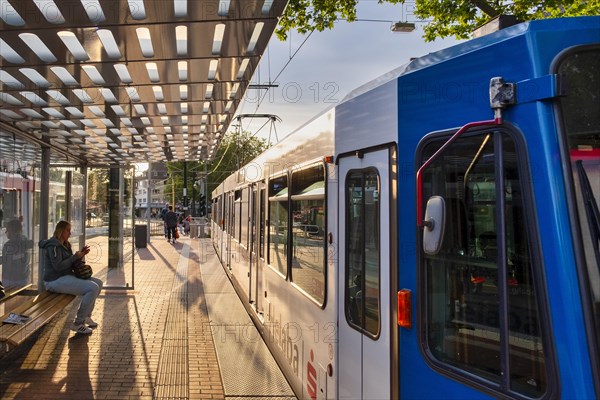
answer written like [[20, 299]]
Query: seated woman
[[59, 278]]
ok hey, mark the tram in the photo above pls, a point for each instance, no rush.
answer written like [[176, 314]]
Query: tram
[[437, 233]]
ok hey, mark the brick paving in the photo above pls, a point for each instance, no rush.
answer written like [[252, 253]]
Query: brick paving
[[120, 360]]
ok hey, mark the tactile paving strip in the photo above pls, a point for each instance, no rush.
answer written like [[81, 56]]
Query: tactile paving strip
[[172, 380]]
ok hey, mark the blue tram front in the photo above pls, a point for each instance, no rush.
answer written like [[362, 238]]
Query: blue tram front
[[508, 302]]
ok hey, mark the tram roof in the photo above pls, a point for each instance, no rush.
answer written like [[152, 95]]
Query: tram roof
[[126, 81]]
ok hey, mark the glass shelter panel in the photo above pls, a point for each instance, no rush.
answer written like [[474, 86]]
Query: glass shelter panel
[[77, 217], [57, 203], [109, 230], [19, 213]]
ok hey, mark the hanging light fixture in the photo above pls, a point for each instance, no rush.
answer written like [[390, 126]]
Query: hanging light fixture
[[403, 27]]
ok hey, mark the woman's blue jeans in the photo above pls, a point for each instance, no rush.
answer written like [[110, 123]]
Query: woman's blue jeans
[[88, 289]]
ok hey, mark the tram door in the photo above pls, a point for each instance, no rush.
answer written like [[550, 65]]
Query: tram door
[[229, 220], [257, 246], [365, 364], [252, 245]]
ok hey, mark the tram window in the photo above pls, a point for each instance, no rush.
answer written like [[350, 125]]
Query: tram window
[[261, 222], [225, 212], [215, 210], [581, 123], [463, 282], [253, 223], [362, 285], [222, 211], [308, 231], [278, 224], [231, 217], [237, 212], [244, 217]]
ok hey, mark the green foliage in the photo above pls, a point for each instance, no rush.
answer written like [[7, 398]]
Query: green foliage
[[175, 183], [97, 188], [442, 18], [308, 15], [234, 150], [455, 18]]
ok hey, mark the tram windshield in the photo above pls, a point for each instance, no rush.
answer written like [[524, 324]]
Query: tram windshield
[[581, 123], [485, 256]]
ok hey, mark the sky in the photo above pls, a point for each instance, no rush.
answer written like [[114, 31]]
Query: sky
[[316, 72]]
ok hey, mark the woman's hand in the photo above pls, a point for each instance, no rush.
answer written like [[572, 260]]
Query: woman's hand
[[81, 253]]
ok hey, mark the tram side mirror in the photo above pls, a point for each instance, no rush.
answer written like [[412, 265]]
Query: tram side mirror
[[434, 225]]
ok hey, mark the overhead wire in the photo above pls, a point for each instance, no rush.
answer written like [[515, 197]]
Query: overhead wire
[[222, 157], [291, 57]]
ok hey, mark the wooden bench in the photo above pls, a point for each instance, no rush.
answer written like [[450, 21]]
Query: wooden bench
[[10, 291], [40, 309]]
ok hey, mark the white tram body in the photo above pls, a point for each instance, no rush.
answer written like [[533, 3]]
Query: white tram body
[[284, 312], [299, 319]]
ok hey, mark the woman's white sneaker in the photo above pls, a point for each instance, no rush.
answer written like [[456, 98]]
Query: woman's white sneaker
[[81, 328]]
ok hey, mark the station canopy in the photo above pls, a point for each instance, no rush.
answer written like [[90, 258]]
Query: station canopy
[[127, 81]]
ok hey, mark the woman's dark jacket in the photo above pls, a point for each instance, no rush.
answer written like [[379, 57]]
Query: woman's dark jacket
[[58, 261]]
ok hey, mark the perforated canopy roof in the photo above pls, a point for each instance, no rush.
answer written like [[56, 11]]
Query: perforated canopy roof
[[123, 81]]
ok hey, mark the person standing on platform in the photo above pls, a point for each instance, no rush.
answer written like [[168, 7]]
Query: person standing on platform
[[163, 214], [180, 219], [171, 221], [186, 225], [59, 278]]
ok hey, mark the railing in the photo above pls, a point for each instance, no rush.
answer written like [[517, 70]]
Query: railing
[[99, 226]]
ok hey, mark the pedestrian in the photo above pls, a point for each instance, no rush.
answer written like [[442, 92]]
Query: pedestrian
[[180, 224], [186, 225], [59, 278], [171, 223], [163, 214]]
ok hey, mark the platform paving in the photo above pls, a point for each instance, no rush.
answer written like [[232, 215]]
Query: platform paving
[[154, 342]]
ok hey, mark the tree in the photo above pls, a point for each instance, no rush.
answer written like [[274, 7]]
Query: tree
[[235, 151], [442, 18], [97, 189], [175, 182]]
